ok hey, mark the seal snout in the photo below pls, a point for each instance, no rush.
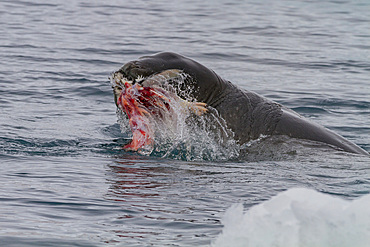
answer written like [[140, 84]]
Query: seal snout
[[130, 72], [134, 70], [126, 71]]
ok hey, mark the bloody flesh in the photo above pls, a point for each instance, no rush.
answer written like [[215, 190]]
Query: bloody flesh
[[141, 104]]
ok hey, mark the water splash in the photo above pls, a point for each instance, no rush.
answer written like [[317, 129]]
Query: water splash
[[180, 132], [196, 138]]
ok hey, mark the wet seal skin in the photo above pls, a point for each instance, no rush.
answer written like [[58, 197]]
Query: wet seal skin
[[246, 113]]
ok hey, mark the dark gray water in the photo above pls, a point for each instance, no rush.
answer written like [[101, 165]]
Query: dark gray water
[[64, 179]]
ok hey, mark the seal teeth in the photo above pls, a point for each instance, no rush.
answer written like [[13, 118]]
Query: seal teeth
[[139, 79]]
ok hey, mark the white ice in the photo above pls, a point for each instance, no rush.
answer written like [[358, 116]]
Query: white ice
[[298, 218]]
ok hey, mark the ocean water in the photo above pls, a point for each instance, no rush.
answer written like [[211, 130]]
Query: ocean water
[[65, 180]]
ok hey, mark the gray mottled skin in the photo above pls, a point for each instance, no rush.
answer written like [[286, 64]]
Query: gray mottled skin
[[248, 114]]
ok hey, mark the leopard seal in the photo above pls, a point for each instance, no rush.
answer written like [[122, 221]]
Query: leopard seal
[[246, 113]]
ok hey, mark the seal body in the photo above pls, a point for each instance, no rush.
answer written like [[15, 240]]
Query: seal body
[[246, 113]]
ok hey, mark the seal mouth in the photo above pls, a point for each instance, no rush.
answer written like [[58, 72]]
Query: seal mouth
[[146, 99], [119, 80]]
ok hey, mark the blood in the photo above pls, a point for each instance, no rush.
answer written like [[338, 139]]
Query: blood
[[141, 104]]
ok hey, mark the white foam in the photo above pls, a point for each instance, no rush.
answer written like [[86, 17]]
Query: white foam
[[298, 217]]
